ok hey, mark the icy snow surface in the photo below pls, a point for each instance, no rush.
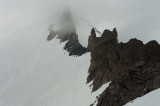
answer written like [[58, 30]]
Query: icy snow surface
[[151, 99], [34, 72]]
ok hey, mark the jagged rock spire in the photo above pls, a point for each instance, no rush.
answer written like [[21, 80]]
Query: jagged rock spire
[[67, 32]]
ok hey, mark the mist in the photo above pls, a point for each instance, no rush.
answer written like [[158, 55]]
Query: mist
[[133, 19]]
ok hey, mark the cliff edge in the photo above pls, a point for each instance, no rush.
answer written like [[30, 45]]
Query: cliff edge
[[133, 67]]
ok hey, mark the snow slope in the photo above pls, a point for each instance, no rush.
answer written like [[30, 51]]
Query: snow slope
[[151, 99], [34, 72]]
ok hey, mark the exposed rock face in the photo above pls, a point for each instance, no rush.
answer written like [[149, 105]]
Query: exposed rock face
[[67, 32], [72, 46], [133, 68], [103, 57]]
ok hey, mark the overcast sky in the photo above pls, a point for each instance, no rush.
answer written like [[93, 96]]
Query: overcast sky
[[132, 18]]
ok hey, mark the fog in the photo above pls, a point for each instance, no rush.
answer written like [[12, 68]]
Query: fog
[[132, 18]]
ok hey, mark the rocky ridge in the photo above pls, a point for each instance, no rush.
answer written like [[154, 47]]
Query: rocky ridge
[[72, 43], [133, 67], [67, 33]]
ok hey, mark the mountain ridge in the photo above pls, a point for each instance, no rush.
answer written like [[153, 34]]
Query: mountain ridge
[[133, 67]]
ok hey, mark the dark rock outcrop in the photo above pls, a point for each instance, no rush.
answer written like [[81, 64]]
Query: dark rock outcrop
[[67, 32], [133, 67], [72, 45], [104, 55]]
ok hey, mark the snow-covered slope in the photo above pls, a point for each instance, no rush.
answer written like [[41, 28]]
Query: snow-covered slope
[[151, 99], [34, 72]]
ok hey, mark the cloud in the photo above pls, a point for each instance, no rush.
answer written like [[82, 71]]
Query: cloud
[[132, 18]]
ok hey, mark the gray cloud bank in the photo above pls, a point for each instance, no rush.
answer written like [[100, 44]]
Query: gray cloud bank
[[132, 18]]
